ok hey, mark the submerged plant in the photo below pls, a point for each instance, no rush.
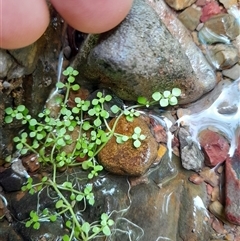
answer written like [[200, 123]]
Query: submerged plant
[[80, 128]]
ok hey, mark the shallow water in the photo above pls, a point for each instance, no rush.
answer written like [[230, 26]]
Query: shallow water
[[223, 115]]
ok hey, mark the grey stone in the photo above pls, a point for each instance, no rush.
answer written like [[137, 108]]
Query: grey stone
[[5, 63], [141, 56], [191, 156]]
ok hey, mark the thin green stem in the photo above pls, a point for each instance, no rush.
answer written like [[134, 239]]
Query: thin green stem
[[55, 187]]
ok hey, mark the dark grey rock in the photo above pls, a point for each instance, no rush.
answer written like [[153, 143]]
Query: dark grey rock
[[141, 56], [11, 181]]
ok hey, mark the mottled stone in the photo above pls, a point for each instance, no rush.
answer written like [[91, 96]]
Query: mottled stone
[[190, 18], [232, 185], [223, 56], [224, 25], [209, 10], [136, 58], [191, 156], [215, 147], [179, 4], [232, 73], [125, 159], [199, 64]]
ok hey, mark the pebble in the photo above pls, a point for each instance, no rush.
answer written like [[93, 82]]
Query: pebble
[[179, 4], [223, 56], [190, 17], [233, 72]]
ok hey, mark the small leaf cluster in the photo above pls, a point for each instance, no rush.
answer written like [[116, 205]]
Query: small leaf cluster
[[37, 217], [164, 99], [48, 136], [137, 137], [90, 231]]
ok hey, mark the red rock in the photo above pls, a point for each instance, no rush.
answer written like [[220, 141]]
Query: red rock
[[232, 177], [209, 10], [215, 147]]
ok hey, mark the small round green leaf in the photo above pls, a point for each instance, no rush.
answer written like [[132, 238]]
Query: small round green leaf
[[106, 230], [137, 143], [8, 119], [8, 111], [166, 93], [59, 204], [163, 102], [156, 96], [176, 92], [60, 85], [75, 87], [173, 100]]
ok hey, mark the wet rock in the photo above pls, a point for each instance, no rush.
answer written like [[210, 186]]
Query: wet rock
[[232, 177], [10, 181], [210, 176], [224, 24], [191, 156], [125, 159], [222, 113], [179, 4], [136, 58], [7, 233], [209, 10], [48, 231], [190, 18], [223, 56], [215, 147], [232, 73], [196, 179], [174, 221], [193, 225]]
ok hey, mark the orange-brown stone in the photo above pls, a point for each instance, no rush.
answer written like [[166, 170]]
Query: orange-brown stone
[[125, 159]]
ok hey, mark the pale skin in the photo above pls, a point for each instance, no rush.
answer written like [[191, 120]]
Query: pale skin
[[24, 22]]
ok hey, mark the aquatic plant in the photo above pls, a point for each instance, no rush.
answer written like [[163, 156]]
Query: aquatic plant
[[80, 128]]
